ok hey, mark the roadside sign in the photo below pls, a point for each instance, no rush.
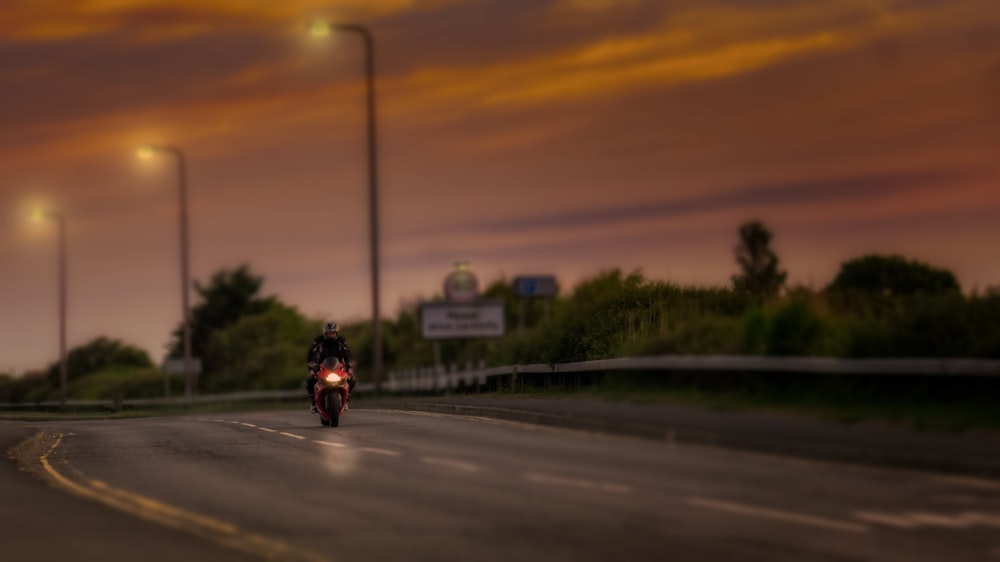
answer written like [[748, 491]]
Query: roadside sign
[[459, 320], [535, 286], [461, 285]]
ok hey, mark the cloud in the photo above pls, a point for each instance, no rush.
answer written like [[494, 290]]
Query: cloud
[[786, 194]]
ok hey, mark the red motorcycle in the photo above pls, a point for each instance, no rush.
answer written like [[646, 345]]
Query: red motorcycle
[[331, 391]]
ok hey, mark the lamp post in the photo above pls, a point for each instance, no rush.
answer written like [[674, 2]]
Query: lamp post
[[322, 29], [63, 369], [148, 151]]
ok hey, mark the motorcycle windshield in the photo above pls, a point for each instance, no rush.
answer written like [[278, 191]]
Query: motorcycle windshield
[[331, 363]]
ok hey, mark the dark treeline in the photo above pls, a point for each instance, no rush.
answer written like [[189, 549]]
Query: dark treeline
[[877, 306]]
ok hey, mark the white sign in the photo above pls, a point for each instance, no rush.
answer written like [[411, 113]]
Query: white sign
[[173, 366], [454, 320]]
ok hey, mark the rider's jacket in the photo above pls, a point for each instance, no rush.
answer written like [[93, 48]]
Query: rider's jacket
[[323, 347]]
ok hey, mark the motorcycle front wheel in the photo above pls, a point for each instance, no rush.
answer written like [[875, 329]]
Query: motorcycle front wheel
[[332, 403]]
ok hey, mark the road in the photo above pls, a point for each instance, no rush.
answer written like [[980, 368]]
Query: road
[[392, 485]]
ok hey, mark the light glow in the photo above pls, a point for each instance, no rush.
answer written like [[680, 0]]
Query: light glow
[[319, 29], [145, 152]]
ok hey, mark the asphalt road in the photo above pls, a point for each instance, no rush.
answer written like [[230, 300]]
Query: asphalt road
[[390, 485]]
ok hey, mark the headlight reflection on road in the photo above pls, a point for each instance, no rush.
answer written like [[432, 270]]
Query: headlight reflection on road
[[340, 460]]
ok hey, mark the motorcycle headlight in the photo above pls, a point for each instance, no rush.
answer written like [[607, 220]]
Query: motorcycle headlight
[[333, 378]]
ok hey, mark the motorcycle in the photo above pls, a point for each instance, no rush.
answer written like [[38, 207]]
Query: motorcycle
[[331, 391]]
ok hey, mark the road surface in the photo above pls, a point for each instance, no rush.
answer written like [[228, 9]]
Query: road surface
[[393, 485]]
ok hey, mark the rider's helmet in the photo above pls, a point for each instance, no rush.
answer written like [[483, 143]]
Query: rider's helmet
[[331, 327]]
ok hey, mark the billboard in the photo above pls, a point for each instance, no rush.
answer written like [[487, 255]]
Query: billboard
[[459, 320]]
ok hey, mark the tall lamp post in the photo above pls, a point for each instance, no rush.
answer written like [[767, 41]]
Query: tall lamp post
[[147, 152], [322, 29], [60, 220]]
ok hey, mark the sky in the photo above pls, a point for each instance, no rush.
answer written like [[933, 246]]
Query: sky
[[549, 137]]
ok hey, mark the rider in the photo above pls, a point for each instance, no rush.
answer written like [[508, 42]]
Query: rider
[[330, 344]]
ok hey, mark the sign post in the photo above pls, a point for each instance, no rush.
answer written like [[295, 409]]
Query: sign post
[[533, 286]]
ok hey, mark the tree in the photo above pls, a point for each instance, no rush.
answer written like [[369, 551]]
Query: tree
[[760, 275], [98, 355], [892, 275], [265, 350], [229, 296]]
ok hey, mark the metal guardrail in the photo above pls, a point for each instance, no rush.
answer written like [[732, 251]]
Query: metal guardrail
[[181, 401], [440, 379], [430, 379]]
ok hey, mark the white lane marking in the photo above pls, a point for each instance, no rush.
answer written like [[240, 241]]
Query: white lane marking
[[787, 516], [220, 421], [236, 422], [450, 463], [291, 435], [539, 478], [898, 521], [937, 520], [329, 443], [914, 520], [268, 429], [248, 424], [979, 518], [385, 452]]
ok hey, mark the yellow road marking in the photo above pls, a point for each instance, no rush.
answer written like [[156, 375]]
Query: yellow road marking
[[216, 530]]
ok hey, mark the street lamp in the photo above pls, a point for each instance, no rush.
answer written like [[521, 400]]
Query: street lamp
[[38, 215], [146, 152], [323, 29]]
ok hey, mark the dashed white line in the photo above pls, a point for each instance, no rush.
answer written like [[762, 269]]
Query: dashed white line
[[291, 435], [582, 483], [450, 463], [236, 422], [385, 452], [220, 421], [914, 520], [248, 424], [329, 443], [898, 521], [978, 518], [937, 520], [787, 516], [268, 429]]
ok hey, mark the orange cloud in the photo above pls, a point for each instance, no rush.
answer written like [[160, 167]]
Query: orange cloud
[[53, 20]]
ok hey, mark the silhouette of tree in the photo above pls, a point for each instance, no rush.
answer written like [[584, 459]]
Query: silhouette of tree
[[229, 295], [760, 274], [892, 275], [97, 355]]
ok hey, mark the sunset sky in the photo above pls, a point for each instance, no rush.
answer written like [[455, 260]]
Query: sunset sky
[[558, 137]]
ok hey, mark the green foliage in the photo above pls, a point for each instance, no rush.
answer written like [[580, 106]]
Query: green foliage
[[759, 274], [261, 351], [892, 275], [97, 355], [120, 383], [31, 387], [794, 330], [229, 296]]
